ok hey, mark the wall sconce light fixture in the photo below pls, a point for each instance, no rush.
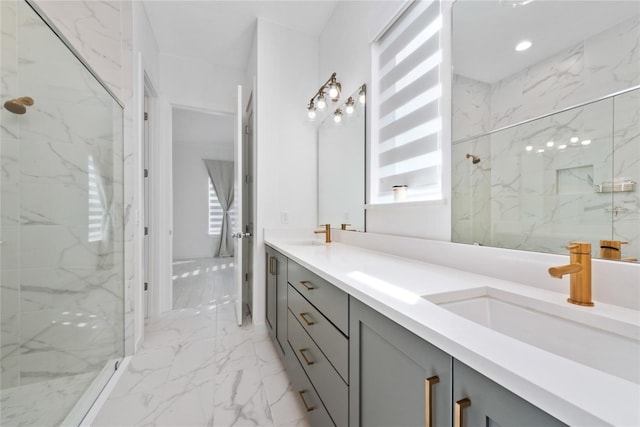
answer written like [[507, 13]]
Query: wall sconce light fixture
[[318, 102]]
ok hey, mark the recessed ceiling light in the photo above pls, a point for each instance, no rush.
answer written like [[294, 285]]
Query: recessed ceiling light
[[523, 45], [586, 142]]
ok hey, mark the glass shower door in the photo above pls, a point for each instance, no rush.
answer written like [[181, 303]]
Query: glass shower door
[[61, 227]]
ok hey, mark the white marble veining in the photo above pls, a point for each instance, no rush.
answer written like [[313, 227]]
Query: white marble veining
[[61, 221], [197, 367], [570, 391], [43, 403]]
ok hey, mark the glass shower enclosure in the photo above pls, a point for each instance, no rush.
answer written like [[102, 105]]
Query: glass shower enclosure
[[61, 227]]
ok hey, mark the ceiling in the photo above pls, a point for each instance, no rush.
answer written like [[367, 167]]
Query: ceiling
[[221, 32], [485, 33]]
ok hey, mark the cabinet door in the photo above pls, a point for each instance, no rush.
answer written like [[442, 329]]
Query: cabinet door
[[271, 291], [393, 374], [490, 404], [281, 305]]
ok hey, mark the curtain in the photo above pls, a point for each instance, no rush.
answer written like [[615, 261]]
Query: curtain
[[221, 174]]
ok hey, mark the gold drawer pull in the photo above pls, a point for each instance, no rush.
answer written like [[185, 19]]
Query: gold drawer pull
[[460, 405], [428, 409], [307, 285], [306, 405], [304, 317], [304, 356]]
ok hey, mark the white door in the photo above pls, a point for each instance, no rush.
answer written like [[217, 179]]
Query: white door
[[238, 223]]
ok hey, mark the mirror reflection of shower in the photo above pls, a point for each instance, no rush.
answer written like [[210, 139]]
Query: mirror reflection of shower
[[474, 159]]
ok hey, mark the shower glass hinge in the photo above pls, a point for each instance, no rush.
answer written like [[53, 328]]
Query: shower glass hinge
[[146, 286], [146, 115], [146, 231], [146, 173]]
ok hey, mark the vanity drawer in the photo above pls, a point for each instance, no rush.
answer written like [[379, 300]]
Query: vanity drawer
[[331, 301], [316, 412], [333, 344], [332, 390]]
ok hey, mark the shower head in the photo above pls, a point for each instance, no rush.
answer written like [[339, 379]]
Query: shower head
[[474, 159], [19, 105]]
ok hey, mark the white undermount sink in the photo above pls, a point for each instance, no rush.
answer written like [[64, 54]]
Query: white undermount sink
[[307, 243], [580, 334]]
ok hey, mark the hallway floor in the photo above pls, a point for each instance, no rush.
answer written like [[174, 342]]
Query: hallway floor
[[196, 367]]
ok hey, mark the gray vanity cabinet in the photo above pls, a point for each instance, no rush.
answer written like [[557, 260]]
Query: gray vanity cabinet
[[276, 296], [397, 378], [478, 401]]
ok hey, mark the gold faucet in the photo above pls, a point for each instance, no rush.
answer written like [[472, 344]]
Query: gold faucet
[[344, 227], [580, 271], [326, 231]]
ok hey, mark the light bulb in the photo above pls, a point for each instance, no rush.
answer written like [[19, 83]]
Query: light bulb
[[349, 106], [312, 114], [337, 116], [322, 103], [362, 98], [333, 91]]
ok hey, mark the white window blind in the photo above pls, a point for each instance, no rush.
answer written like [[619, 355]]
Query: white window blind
[[406, 115], [215, 212], [95, 208]]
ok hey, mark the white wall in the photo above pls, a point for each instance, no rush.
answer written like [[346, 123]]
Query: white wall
[[199, 84], [190, 199], [286, 180], [345, 47]]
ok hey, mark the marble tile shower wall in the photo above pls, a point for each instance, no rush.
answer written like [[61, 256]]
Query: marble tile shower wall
[[599, 66], [604, 64], [62, 296]]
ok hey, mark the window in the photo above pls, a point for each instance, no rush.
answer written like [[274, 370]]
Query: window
[[406, 115], [95, 208], [215, 212]]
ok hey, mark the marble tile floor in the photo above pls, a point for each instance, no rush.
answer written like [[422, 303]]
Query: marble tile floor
[[44, 403], [202, 280], [196, 367]]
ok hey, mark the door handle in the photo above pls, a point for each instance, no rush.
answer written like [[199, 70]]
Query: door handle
[[428, 409], [240, 235]]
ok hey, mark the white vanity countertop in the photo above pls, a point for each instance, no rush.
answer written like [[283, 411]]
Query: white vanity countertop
[[572, 392]]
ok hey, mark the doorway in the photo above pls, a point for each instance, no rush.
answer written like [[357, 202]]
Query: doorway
[[202, 272]]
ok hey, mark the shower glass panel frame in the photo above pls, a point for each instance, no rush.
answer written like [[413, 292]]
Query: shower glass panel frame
[[61, 227]]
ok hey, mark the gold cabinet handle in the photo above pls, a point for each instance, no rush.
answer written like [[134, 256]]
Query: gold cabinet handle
[[271, 258], [460, 405], [304, 317], [304, 402], [304, 356], [428, 409], [307, 285]]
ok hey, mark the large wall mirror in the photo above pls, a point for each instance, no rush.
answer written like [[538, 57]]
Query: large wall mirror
[[546, 125], [341, 164]]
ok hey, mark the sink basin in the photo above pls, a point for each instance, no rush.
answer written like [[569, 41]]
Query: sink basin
[[582, 334], [307, 243]]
